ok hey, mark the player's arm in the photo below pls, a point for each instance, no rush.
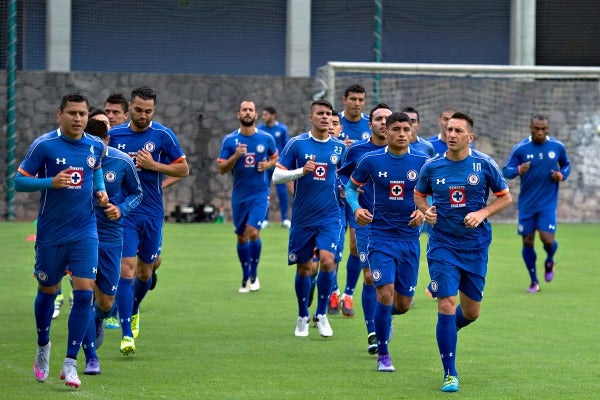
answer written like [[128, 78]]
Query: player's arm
[[25, 182], [99, 188], [502, 200], [226, 164], [283, 175], [429, 211], [565, 167], [362, 215], [512, 168], [178, 168], [170, 181]]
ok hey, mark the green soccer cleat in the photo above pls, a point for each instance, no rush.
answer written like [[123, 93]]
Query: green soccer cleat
[[450, 384], [127, 345], [135, 325], [111, 323]]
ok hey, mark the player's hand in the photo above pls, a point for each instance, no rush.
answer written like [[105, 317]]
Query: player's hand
[[473, 219], [240, 150], [416, 218], [524, 168], [431, 215], [342, 191], [363, 216], [102, 198], [62, 179], [556, 176], [262, 165], [144, 159], [112, 212], [309, 167]]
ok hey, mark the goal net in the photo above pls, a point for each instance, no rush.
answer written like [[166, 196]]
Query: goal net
[[501, 100]]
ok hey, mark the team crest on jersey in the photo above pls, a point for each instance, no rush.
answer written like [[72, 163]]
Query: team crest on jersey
[[260, 148], [551, 155], [473, 179], [42, 276], [396, 190], [458, 196], [76, 181], [91, 161], [365, 135], [362, 257], [334, 159], [110, 176], [412, 175], [150, 146], [320, 172], [292, 257], [376, 275], [249, 160]]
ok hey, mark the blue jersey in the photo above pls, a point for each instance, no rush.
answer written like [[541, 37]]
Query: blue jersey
[[458, 188], [394, 179], [279, 132], [124, 190], [439, 147], [248, 182], [358, 130], [162, 143], [538, 191], [316, 195], [353, 155], [65, 215], [423, 146]]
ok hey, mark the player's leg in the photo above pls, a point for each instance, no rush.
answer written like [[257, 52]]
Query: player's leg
[[547, 230], [252, 232], [369, 293], [282, 195], [325, 279], [301, 245], [353, 270], [240, 213], [334, 298], [526, 229]]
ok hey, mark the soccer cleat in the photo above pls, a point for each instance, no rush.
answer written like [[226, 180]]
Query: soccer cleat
[[135, 325], [112, 323], [347, 306], [92, 367], [41, 365], [372, 340], [534, 288], [323, 326], [154, 280], [127, 345], [286, 223], [68, 373], [450, 384], [245, 288], [549, 273], [99, 332], [254, 284], [301, 327], [384, 363], [58, 302], [264, 224], [334, 304]]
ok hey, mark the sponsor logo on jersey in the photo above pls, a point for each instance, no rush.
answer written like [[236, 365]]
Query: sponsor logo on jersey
[[249, 160], [458, 196], [396, 190], [76, 181], [320, 172]]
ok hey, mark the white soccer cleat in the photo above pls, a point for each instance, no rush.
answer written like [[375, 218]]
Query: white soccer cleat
[[323, 326], [301, 327], [68, 373], [254, 286], [41, 365], [286, 223], [245, 288]]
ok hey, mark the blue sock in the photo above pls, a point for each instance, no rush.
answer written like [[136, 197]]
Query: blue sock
[[79, 319], [243, 250], [302, 286], [550, 250], [334, 286], [353, 270], [89, 340], [254, 249], [324, 283], [383, 320], [447, 337], [139, 292], [282, 194], [369, 302], [125, 305], [461, 321], [43, 308], [530, 257]]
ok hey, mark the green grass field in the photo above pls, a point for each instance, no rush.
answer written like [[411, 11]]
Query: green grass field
[[200, 339]]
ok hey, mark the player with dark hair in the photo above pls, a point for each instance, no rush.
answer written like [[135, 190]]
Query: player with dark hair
[[64, 165], [117, 109], [393, 240], [248, 153], [417, 142], [541, 162], [355, 123], [457, 253], [156, 152], [311, 160], [439, 141]]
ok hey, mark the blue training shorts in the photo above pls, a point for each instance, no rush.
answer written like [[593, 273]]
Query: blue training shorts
[[544, 220], [142, 236], [109, 268], [251, 212], [304, 240], [395, 262], [52, 261]]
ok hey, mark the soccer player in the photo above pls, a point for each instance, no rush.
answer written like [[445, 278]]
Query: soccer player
[[459, 182], [280, 133], [417, 142], [542, 163], [393, 237], [156, 152], [311, 160], [439, 141], [117, 109], [248, 153], [125, 193], [65, 166], [378, 127]]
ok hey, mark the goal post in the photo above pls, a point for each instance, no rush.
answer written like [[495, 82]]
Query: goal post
[[501, 100]]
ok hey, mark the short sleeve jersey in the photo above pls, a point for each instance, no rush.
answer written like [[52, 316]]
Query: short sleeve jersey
[[248, 182], [394, 179], [458, 188], [65, 215], [355, 130], [538, 191], [316, 195], [162, 143], [279, 132], [423, 146], [124, 190]]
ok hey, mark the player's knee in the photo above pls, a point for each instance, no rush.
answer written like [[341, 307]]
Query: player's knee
[[105, 303], [367, 277], [304, 270]]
